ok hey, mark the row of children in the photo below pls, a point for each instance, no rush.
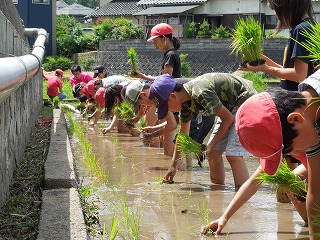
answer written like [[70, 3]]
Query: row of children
[[268, 125]]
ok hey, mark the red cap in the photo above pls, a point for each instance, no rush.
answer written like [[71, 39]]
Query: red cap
[[60, 72], [90, 87], [160, 30], [259, 129], [100, 99]]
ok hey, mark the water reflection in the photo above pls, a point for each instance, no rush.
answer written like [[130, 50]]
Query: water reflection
[[176, 211]]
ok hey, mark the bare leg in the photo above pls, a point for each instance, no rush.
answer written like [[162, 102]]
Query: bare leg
[[216, 167], [168, 144], [239, 170]]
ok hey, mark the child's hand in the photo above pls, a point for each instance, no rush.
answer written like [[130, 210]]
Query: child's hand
[[106, 130], [168, 178], [215, 227]]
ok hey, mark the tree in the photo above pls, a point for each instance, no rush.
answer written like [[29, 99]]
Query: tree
[[205, 31], [190, 30], [221, 32]]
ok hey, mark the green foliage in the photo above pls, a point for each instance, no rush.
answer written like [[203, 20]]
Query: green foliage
[[221, 32], [287, 179], [53, 63], [257, 78], [71, 38], [132, 54], [247, 39], [88, 63], [205, 31], [118, 29], [270, 34], [190, 30], [185, 66]]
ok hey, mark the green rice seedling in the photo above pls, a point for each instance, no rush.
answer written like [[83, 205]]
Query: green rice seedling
[[132, 218], [185, 202], [188, 146], [204, 212], [142, 124], [113, 229], [132, 60], [287, 179], [124, 111], [312, 43], [248, 40]]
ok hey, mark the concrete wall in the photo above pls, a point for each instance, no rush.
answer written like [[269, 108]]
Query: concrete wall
[[204, 55], [19, 111]]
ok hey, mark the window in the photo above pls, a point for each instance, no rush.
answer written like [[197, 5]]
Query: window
[[41, 1], [271, 20]]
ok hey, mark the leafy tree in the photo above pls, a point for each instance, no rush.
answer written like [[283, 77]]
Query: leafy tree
[[104, 29], [221, 32], [185, 66], [190, 30], [205, 31], [118, 29], [70, 37]]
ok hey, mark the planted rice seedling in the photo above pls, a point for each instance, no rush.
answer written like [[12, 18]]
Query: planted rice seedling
[[132, 60], [287, 179], [248, 40], [204, 212]]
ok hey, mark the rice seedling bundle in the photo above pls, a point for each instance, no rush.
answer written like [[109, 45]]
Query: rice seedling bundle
[[312, 43], [124, 111], [132, 60], [188, 146], [248, 40], [287, 179]]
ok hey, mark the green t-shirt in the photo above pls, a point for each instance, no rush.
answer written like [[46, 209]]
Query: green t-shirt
[[210, 91]]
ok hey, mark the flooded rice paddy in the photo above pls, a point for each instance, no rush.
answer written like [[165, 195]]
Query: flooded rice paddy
[[145, 209]]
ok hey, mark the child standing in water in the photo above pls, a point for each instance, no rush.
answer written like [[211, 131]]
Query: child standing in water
[[217, 94]]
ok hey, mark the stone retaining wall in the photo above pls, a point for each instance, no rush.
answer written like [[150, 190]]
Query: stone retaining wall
[[19, 111], [204, 55]]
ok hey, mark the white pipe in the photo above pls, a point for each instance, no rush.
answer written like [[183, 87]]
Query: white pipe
[[14, 71]]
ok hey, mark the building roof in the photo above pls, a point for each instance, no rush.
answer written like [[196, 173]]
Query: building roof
[[165, 10], [116, 8], [61, 4], [76, 10], [160, 2]]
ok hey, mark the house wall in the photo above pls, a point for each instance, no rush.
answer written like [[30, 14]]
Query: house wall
[[40, 16], [19, 111]]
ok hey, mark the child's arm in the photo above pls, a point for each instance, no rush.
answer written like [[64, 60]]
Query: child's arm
[[245, 192], [297, 73], [169, 124], [96, 115], [113, 124], [184, 128]]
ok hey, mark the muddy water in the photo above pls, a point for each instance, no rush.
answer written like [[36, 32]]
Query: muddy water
[[176, 211]]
